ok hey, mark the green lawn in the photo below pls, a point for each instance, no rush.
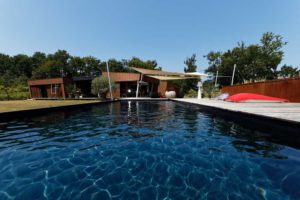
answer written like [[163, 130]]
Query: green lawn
[[32, 104]]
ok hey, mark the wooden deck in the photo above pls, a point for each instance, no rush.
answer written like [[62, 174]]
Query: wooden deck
[[282, 111]]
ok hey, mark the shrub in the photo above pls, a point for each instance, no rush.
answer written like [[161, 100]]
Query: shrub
[[209, 89], [100, 86], [14, 92], [191, 93]]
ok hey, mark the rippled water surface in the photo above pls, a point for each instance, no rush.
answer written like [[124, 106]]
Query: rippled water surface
[[143, 150]]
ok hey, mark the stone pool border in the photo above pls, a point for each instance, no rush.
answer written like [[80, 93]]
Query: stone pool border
[[227, 114], [4, 116], [264, 122]]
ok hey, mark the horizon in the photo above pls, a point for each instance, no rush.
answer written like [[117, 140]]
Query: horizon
[[156, 30]]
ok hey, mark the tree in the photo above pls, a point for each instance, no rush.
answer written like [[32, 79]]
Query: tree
[[114, 66], [78, 66], [5, 63], [254, 62], [289, 71], [100, 86], [49, 69], [214, 61], [92, 66], [62, 60], [21, 65], [6, 81], [138, 63], [37, 59], [191, 66], [272, 53]]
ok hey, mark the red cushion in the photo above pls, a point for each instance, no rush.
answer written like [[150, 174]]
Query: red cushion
[[250, 96]]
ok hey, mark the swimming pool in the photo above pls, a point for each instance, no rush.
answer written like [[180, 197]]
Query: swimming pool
[[146, 150]]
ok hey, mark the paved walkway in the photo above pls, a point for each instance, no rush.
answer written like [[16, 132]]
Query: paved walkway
[[283, 111]]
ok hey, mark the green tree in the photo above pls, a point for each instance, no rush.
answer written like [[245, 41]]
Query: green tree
[[100, 86], [191, 66], [254, 62], [114, 66], [138, 63], [21, 65], [6, 81], [288, 71], [78, 66], [5, 63], [61, 58], [92, 66], [49, 69], [37, 59]]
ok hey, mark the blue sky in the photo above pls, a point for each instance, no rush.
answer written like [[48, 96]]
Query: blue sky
[[165, 30]]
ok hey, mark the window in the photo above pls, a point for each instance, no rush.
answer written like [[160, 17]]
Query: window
[[54, 88]]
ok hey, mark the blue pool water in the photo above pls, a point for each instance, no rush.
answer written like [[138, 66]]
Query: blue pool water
[[143, 150]]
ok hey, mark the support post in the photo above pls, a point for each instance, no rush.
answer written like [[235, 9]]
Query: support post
[[107, 68], [137, 89], [199, 90], [138, 86], [233, 73], [216, 78]]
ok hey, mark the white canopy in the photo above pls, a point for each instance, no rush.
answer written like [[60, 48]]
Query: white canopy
[[196, 74]]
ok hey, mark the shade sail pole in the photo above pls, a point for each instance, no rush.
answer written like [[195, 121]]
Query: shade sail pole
[[107, 68], [137, 89], [216, 78], [138, 86], [233, 73], [199, 89]]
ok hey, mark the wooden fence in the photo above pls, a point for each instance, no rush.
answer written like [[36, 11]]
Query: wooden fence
[[282, 88]]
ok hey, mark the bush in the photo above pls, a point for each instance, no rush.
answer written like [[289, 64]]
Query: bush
[[209, 89], [100, 86], [191, 93], [15, 92]]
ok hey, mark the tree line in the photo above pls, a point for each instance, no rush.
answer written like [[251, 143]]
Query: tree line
[[254, 62], [62, 64], [16, 70]]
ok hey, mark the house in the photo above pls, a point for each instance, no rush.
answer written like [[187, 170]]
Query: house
[[141, 83]]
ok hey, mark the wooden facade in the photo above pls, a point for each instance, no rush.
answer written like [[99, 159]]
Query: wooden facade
[[126, 82], [282, 88], [126, 85], [48, 88]]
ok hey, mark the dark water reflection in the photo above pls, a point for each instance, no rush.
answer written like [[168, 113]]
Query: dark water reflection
[[146, 150]]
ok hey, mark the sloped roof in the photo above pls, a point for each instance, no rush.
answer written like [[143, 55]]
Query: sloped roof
[[123, 76], [169, 78], [156, 72]]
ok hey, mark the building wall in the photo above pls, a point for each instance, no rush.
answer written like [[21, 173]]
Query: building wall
[[282, 88], [42, 88], [44, 91], [116, 92], [162, 88]]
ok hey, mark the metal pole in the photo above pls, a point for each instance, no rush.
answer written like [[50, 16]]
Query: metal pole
[[137, 89], [216, 78], [199, 90], [232, 79], [107, 68], [138, 86]]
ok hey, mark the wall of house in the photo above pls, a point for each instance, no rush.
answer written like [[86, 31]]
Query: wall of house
[[282, 88], [162, 88], [44, 91], [42, 88]]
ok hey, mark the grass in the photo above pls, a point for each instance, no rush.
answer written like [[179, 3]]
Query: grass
[[15, 105]]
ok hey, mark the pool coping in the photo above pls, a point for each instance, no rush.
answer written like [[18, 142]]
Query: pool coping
[[4, 116], [288, 125], [222, 111]]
